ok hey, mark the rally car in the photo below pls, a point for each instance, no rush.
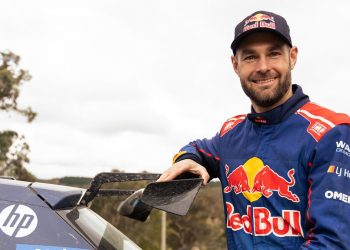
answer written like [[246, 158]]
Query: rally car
[[42, 216]]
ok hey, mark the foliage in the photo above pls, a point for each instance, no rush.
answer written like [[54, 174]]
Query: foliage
[[13, 153], [75, 181], [13, 148], [11, 78], [203, 227]]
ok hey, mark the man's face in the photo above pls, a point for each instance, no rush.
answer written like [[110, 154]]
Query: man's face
[[263, 62]]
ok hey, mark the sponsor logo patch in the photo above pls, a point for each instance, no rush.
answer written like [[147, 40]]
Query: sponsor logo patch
[[18, 221], [343, 147], [318, 128], [318, 125], [231, 124], [339, 171], [254, 179], [335, 195], [259, 20]]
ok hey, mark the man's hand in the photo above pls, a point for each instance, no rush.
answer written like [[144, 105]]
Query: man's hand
[[183, 166]]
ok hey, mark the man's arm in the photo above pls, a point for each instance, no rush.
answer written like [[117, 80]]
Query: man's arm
[[328, 215], [199, 157], [183, 166]]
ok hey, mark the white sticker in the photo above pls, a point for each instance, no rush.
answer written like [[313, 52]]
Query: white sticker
[[18, 221]]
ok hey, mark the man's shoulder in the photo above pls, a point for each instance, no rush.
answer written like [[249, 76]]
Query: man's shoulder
[[231, 123], [321, 120], [325, 115]]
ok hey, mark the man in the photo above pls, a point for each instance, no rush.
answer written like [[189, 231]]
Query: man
[[285, 167]]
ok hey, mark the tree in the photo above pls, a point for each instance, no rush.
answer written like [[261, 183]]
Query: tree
[[13, 148]]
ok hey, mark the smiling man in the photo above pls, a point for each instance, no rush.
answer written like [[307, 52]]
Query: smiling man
[[263, 63], [284, 174]]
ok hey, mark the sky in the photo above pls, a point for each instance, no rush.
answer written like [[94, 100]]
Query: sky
[[124, 84]]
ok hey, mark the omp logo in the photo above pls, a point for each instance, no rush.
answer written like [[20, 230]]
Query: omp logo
[[343, 147], [318, 128], [18, 220]]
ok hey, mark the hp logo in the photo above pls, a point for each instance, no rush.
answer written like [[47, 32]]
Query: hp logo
[[18, 221]]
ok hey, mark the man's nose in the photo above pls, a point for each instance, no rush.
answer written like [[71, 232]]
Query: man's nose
[[263, 65]]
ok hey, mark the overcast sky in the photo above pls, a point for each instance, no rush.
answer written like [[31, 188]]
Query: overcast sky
[[124, 84]]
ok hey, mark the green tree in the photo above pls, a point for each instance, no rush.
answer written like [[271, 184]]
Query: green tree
[[13, 148]]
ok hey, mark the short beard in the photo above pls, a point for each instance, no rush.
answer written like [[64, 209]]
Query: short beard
[[268, 100]]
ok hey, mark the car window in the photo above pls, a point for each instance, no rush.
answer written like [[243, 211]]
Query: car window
[[97, 230]]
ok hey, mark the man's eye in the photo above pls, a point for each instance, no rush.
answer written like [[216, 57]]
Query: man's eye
[[249, 58], [274, 54]]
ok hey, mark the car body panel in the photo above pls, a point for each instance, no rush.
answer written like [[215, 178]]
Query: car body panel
[[19, 192], [58, 196], [30, 220], [36, 225]]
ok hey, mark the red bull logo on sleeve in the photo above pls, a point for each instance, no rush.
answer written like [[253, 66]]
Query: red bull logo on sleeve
[[259, 20]]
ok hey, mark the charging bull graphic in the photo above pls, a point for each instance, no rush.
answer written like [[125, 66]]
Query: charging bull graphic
[[255, 179], [267, 180], [237, 180]]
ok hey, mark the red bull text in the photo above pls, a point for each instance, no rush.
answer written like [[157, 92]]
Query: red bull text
[[259, 20], [259, 222]]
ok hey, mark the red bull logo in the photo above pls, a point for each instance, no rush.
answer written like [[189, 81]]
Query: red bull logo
[[259, 17], [254, 179], [258, 221], [259, 20]]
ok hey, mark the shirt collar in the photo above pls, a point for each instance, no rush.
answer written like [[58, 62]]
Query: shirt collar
[[283, 111]]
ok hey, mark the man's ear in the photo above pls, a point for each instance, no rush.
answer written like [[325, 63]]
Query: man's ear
[[293, 56], [234, 61]]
